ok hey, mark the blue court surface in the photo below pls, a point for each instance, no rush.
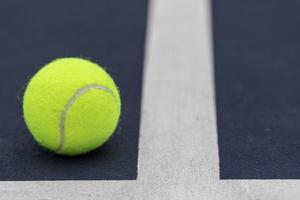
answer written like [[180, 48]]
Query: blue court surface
[[210, 98]]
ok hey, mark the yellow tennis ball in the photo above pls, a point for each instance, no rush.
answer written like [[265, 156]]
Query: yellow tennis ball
[[71, 106]]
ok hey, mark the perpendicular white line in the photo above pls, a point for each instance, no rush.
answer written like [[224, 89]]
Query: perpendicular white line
[[178, 143]]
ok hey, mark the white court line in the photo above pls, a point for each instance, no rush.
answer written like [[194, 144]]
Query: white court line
[[178, 147], [178, 156]]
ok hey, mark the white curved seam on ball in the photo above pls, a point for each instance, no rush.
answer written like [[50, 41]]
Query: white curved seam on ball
[[80, 92]]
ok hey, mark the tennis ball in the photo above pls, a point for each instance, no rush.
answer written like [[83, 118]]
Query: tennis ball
[[71, 106]]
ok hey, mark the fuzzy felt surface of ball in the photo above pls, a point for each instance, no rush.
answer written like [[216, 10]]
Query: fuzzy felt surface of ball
[[71, 106]]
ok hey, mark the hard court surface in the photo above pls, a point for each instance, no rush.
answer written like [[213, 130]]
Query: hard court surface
[[210, 93]]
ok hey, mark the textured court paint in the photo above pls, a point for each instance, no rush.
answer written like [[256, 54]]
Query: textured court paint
[[257, 88], [70, 103]]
